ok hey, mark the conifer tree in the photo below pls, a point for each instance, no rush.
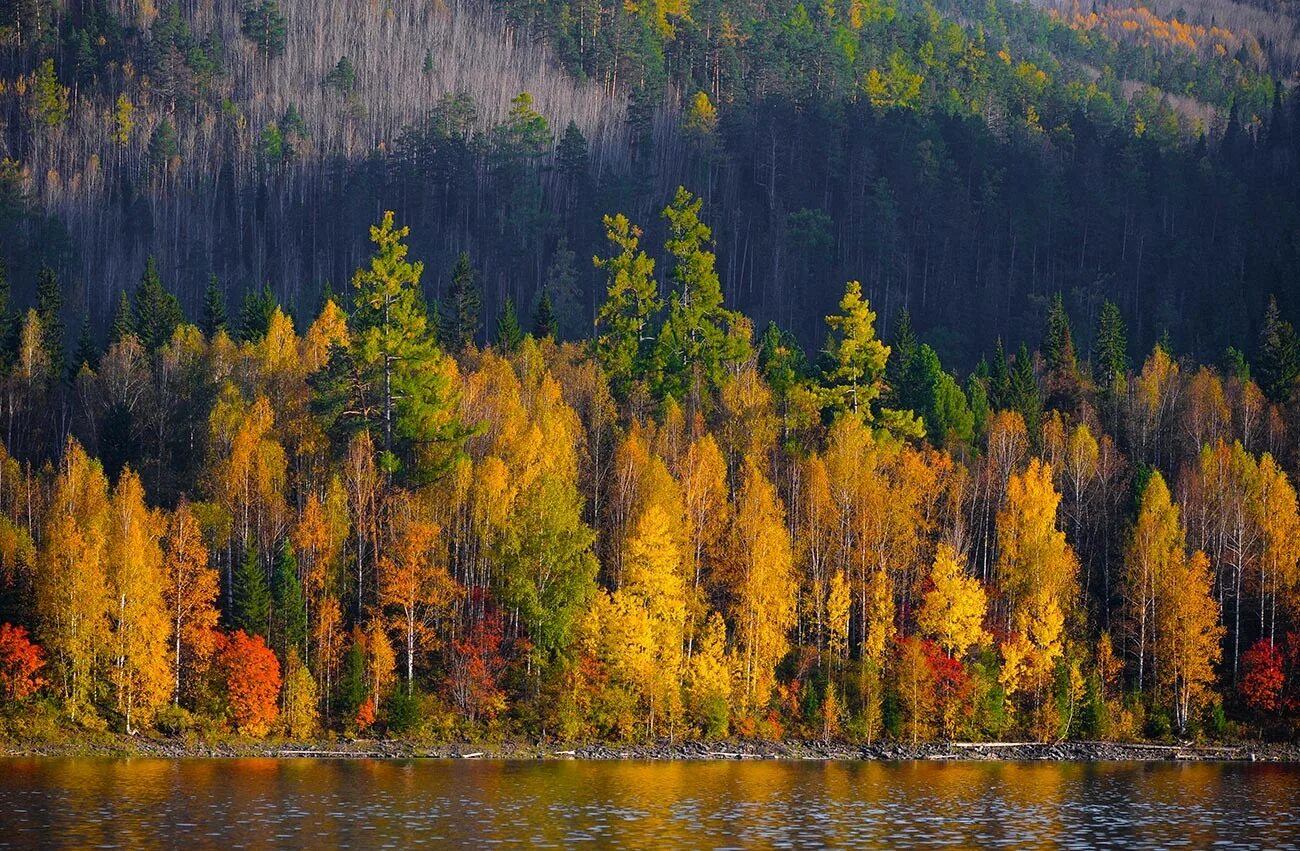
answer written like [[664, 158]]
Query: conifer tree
[[623, 327], [251, 610], [1025, 396], [509, 334], [460, 323], [214, 308], [290, 609], [255, 314], [399, 361], [123, 322], [49, 309], [700, 338], [156, 312], [86, 353], [545, 325], [1278, 361], [1111, 358]]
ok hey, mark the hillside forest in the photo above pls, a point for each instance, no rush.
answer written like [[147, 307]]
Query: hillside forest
[[965, 160], [369, 521]]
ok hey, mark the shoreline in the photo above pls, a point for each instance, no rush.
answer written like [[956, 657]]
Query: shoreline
[[383, 749]]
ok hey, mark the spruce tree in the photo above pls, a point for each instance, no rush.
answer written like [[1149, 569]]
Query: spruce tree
[[255, 314], [290, 608], [902, 350], [156, 312], [252, 597], [1063, 382], [214, 308], [49, 309], [460, 324], [123, 322], [999, 383], [1025, 396], [1111, 358], [509, 334], [1278, 362], [545, 326], [86, 353]]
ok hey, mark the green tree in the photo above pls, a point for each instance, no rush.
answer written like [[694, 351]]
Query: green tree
[[251, 598], [1278, 361], [162, 144], [1025, 395], [700, 338], [342, 78], [49, 309], [624, 332], [938, 398], [123, 321], [255, 314], [854, 376], [1063, 380], [509, 335], [49, 96], [289, 606], [264, 25], [545, 325], [548, 571], [86, 353], [214, 308], [399, 357], [156, 312], [460, 321], [1111, 356]]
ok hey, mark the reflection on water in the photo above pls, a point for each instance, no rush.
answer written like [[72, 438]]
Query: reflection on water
[[143, 803]]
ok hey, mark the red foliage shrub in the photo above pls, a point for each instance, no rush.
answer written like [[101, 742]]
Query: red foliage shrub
[[20, 660], [251, 675]]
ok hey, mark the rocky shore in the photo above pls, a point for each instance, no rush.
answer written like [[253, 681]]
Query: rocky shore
[[140, 746]]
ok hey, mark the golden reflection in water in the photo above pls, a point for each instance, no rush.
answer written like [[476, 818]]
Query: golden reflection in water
[[143, 803]]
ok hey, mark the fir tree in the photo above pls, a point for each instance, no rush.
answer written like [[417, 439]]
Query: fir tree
[[290, 608], [1111, 358], [460, 323], [252, 598], [545, 326], [86, 353], [623, 326], [1063, 383], [999, 383], [214, 308], [123, 322], [902, 350], [1278, 361], [156, 312], [255, 314], [49, 309], [509, 334], [1025, 396]]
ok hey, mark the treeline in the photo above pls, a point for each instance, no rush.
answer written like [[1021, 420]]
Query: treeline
[[678, 529], [963, 163]]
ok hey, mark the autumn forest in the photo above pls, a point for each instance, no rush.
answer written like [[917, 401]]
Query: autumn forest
[[376, 523]]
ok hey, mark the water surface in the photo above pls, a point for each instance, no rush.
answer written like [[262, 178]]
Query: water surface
[[147, 803]]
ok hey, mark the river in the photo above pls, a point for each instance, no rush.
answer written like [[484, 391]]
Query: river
[[300, 803]]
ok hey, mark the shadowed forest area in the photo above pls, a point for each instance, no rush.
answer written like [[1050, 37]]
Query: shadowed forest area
[[964, 161]]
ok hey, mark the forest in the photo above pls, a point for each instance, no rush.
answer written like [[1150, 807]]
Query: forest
[[396, 520]]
